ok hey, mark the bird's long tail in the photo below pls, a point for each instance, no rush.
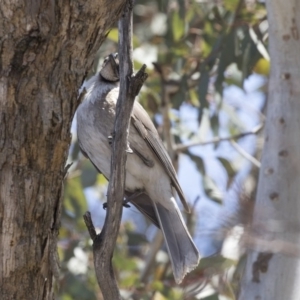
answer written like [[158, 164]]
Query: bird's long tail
[[183, 253]]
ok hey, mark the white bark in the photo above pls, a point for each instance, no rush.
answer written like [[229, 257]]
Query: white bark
[[277, 277]]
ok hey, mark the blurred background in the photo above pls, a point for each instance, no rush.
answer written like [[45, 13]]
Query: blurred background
[[208, 68]]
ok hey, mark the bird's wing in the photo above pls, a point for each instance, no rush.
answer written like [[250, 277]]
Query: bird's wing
[[147, 161], [143, 124]]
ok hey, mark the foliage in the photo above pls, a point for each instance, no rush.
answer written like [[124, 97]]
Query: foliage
[[198, 49]]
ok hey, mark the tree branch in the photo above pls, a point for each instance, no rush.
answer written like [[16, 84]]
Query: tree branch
[[245, 154], [130, 85], [182, 147]]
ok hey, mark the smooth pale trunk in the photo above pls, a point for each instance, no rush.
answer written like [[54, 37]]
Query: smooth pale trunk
[[277, 211]]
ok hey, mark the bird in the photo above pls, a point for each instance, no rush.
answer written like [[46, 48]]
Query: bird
[[151, 182]]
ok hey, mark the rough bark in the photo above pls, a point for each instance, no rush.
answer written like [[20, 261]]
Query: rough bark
[[273, 270], [46, 48]]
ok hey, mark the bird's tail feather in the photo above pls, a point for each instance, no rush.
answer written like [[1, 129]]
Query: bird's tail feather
[[183, 253]]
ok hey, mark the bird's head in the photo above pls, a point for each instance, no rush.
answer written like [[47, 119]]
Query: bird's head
[[110, 68]]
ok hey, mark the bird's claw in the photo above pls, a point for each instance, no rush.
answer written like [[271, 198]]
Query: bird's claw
[[111, 138], [125, 204]]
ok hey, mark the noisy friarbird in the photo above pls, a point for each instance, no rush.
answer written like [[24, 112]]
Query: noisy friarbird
[[151, 181]]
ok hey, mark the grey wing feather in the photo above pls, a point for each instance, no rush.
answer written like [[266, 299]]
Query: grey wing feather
[[147, 161], [147, 130]]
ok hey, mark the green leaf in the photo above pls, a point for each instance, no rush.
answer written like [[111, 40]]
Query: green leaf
[[74, 197], [248, 53], [211, 189], [231, 4], [202, 90], [262, 67], [157, 285], [227, 57], [101, 180], [231, 172], [128, 264], [113, 35], [215, 124], [75, 204], [175, 294], [158, 296], [216, 264], [178, 26], [181, 95], [193, 97], [227, 290], [198, 160], [130, 280]]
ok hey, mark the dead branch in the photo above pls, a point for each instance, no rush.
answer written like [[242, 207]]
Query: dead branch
[[130, 85], [184, 147]]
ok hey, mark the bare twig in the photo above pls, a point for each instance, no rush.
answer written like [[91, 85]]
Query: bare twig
[[130, 85], [245, 154], [182, 148], [89, 224]]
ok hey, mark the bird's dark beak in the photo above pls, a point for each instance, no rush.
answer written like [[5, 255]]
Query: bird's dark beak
[[115, 64]]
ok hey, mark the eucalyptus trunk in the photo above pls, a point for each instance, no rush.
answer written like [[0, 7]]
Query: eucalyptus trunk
[[273, 268]]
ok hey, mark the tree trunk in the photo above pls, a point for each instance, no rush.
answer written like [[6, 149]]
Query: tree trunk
[[275, 273], [46, 48]]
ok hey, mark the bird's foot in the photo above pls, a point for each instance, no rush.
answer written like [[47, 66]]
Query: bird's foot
[[132, 196], [111, 138], [125, 204], [127, 199]]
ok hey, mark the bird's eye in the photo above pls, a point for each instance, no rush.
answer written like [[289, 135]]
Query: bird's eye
[[105, 61]]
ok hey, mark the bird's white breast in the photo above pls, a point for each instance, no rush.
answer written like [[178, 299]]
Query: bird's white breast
[[95, 121]]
